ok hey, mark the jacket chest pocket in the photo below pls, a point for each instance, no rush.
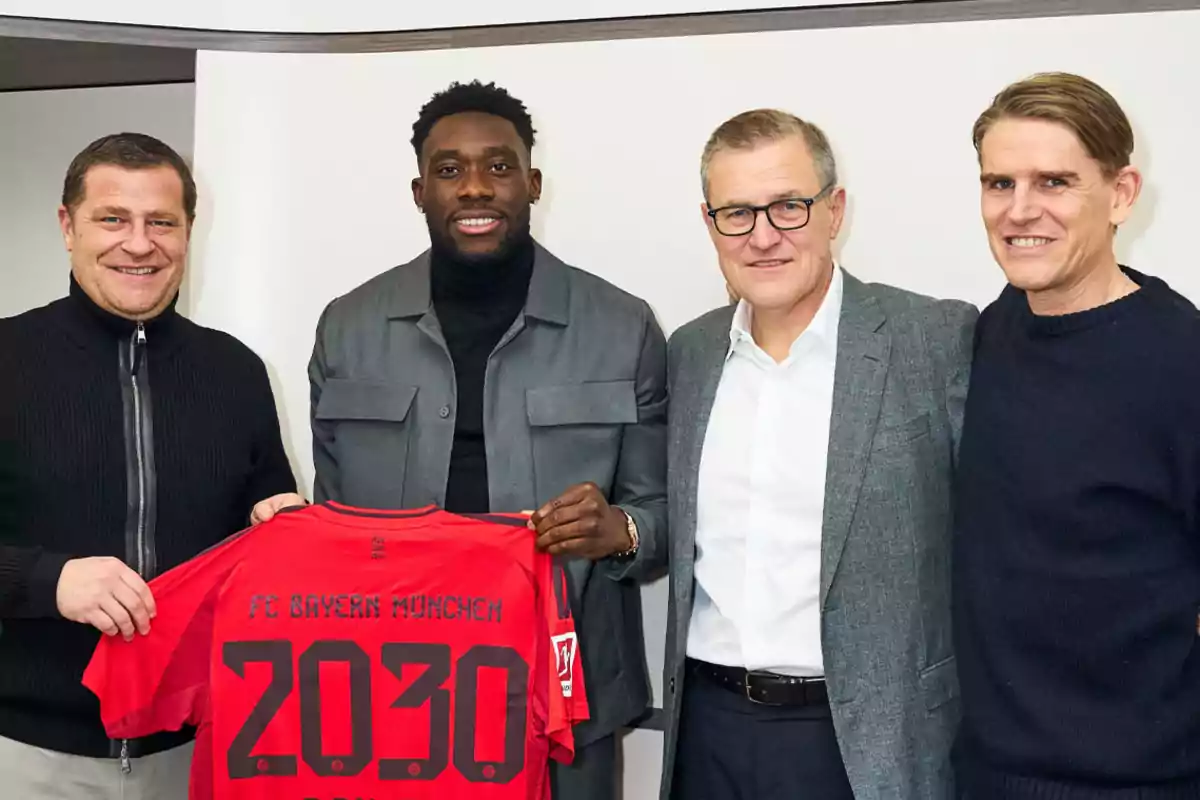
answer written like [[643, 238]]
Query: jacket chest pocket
[[576, 433], [370, 427]]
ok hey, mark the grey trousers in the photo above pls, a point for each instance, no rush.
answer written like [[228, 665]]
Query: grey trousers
[[32, 773]]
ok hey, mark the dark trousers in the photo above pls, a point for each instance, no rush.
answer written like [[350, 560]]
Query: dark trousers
[[592, 775], [733, 749]]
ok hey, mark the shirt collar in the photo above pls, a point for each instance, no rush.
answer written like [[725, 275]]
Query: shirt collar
[[823, 327], [548, 298]]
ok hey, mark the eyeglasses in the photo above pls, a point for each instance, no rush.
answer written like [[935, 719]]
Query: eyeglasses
[[786, 214]]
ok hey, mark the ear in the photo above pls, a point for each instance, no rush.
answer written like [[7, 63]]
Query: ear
[[1127, 186], [67, 227], [837, 210], [711, 226], [418, 190], [535, 184]]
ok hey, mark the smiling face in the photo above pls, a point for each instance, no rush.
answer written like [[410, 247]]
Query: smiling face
[[1049, 208], [775, 271], [128, 238], [476, 186]]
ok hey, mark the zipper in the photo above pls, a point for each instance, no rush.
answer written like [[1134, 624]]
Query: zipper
[[137, 351], [137, 354]]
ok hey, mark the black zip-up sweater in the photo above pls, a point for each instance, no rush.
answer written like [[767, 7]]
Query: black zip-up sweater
[[145, 442], [1077, 552]]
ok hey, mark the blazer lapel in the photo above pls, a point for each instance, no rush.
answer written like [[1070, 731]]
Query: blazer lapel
[[862, 361], [693, 402]]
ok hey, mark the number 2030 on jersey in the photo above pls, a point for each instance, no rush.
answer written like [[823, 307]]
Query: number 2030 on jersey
[[346, 653]]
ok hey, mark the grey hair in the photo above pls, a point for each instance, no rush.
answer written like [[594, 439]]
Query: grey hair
[[751, 128]]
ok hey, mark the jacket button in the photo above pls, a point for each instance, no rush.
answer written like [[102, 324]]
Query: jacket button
[[671, 686], [444, 412]]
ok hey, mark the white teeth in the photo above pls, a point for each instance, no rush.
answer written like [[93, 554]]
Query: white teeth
[[136, 270], [477, 222], [1027, 241]]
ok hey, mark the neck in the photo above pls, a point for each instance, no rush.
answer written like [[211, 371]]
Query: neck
[[776, 330], [118, 324], [457, 279], [1100, 286]]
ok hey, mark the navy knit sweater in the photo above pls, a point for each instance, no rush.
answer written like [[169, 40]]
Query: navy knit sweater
[[1077, 552]]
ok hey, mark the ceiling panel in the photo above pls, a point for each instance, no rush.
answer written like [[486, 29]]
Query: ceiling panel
[[27, 64]]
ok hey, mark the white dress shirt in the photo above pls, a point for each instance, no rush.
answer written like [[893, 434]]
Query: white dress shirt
[[761, 500]]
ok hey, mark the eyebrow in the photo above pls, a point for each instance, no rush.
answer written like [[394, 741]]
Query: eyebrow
[[786, 195], [108, 211], [988, 177], [1066, 175], [500, 150]]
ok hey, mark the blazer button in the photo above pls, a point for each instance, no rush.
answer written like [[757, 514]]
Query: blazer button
[[671, 686], [444, 412]]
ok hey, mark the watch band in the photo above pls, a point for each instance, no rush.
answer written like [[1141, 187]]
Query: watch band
[[634, 539]]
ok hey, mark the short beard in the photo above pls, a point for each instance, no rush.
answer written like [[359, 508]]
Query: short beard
[[517, 238]]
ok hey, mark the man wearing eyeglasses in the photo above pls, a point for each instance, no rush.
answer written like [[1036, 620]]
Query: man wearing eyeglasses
[[813, 433]]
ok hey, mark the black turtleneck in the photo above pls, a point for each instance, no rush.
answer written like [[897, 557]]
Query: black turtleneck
[[475, 304], [211, 448]]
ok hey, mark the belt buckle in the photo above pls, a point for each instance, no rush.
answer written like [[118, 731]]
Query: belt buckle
[[750, 695]]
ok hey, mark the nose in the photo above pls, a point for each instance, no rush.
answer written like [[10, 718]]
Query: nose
[[475, 185], [1024, 207], [138, 244], [765, 235]]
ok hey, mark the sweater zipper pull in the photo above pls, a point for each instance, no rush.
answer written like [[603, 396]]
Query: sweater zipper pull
[[137, 349]]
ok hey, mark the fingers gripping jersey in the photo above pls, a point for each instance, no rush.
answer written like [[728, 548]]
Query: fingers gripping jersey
[[336, 652]]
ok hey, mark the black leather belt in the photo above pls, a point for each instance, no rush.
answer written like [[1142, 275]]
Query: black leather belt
[[766, 688]]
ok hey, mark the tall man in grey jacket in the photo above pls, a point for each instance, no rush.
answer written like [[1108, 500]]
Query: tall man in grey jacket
[[812, 435], [487, 375]]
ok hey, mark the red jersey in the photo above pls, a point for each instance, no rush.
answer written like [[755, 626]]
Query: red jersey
[[342, 653]]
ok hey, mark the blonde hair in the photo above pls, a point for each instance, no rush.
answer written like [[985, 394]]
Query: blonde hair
[[751, 128], [1091, 113]]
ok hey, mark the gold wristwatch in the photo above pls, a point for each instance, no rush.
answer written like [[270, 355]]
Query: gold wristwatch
[[632, 530]]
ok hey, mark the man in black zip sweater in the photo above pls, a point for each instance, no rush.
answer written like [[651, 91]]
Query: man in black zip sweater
[[1077, 545], [131, 439]]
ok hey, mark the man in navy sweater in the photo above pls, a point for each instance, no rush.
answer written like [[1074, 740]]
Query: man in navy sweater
[[1077, 542]]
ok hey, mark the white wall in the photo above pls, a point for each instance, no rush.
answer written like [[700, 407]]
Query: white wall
[[321, 16], [40, 132], [306, 158]]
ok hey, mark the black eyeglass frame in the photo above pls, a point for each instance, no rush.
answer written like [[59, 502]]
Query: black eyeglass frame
[[807, 201]]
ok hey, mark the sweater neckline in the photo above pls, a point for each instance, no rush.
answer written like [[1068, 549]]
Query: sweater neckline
[[487, 288], [88, 315], [1062, 324]]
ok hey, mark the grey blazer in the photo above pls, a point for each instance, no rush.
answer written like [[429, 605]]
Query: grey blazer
[[900, 383], [575, 391]]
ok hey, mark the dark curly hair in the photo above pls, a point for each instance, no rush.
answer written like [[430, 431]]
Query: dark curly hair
[[460, 98]]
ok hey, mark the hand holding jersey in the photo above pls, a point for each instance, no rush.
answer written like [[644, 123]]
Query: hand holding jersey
[[580, 522], [266, 509], [110, 596], [105, 593]]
